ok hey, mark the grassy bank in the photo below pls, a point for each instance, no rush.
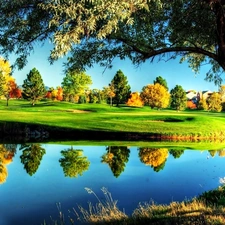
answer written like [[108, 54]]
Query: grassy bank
[[207, 209], [102, 118]]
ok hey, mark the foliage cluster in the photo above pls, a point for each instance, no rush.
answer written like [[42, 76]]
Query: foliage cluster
[[98, 31], [75, 88]]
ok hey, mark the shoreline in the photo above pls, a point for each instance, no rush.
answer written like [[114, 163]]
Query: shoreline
[[23, 132]]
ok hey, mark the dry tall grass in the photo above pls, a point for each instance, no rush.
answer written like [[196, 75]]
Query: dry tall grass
[[194, 212]]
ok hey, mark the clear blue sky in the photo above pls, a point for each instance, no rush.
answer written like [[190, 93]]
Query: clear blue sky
[[174, 72]]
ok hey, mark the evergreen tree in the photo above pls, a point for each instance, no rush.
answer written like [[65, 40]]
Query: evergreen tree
[[122, 89], [161, 81], [116, 157], [176, 153], [31, 157], [178, 98], [33, 87]]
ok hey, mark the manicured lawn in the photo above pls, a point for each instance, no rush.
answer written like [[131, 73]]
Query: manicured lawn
[[102, 117]]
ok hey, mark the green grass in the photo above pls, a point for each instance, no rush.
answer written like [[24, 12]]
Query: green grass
[[101, 117]]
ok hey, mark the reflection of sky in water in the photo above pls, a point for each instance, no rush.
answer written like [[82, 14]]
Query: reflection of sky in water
[[27, 200]]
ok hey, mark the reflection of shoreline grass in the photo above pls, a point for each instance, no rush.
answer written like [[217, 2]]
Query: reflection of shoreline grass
[[178, 145], [195, 211]]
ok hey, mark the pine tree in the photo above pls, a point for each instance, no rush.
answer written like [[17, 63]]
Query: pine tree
[[122, 88], [161, 81], [33, 87], [178, 98]]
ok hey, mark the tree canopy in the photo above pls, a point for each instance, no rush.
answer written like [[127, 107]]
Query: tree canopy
[[31, 157], [161, 81], [178, 98], [116, 157], [98, 31], [121, 87], [155, 95], [155, 157], [75, 83], [214, 102], [73, 162], [33, 87]]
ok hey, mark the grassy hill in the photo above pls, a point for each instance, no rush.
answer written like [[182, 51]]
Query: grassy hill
[[166, 124]]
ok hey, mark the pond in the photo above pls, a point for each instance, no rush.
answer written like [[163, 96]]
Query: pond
[[37, 180]]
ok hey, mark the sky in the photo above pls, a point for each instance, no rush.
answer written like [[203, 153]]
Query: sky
[[138, 77]]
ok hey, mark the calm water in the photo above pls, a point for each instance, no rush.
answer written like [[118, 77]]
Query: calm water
[[41, 176]]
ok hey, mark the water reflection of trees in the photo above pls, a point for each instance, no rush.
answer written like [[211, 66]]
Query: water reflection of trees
[[221, 153], [31, 157], [7, 152], [154, 157], [116, 157], [176, 153], [73, 162]]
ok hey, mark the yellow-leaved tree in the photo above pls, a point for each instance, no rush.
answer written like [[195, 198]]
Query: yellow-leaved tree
[[8, 86], [155, 95], [155, 157], [6, 157], [135, 100], [215, 102], [5, 71], [109, 92]]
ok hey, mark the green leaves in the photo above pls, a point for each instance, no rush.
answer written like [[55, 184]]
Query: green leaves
[[75, 83], [73, 162], [121, 87], [77, 20], [31, 157], [178, 98], [33, 87], [97, 31]]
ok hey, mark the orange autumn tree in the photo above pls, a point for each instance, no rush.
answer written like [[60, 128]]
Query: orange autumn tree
[[55, 94], [135, 100], [11, 89], [191, 105], [48, 95], [59, 95]]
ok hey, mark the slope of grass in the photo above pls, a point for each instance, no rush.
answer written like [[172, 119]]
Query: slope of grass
[[101, 117]]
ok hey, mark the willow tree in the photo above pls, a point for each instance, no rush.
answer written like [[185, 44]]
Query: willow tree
[[98, 31]]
